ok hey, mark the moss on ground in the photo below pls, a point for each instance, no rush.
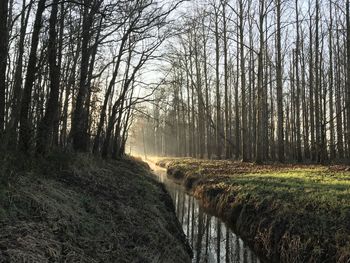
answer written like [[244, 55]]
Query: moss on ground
[[77, 208], [288, 213]]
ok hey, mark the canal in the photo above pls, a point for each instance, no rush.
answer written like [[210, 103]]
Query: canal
[[210, 238]]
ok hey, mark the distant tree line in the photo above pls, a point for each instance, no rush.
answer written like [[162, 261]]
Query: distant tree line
[[257, 81], [70, 71]]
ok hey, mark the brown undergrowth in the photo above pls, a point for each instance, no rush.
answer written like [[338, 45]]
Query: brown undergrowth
[[77, 208], [287, 213]]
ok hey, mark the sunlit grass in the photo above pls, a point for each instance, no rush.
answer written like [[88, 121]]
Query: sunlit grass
[[303, 187], [311, 201], [315, 184]]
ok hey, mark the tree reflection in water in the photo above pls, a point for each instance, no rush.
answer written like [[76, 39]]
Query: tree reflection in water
[[210, 238]]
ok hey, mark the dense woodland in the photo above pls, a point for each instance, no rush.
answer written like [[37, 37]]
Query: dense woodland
[[256, 81], [249, 80], [71, 71]]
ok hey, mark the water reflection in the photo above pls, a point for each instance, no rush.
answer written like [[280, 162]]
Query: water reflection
[[208, 236]]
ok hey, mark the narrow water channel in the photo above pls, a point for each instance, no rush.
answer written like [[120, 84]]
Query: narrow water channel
[[211, 240]]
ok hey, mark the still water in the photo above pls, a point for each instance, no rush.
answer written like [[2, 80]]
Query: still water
[[211, 240]]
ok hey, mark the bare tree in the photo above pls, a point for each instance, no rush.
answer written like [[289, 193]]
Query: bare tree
[[3, 60]]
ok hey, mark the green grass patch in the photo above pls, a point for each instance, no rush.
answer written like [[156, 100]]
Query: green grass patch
[[288, 213]]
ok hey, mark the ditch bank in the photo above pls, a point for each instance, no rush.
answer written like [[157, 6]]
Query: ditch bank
[[78, 208], [285, 213]]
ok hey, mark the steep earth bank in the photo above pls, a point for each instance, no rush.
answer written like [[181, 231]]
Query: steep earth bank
[[77, 208]]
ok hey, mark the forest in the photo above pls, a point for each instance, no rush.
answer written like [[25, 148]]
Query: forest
[[175, 131], [238, 81], [256, 81], [69, 70]]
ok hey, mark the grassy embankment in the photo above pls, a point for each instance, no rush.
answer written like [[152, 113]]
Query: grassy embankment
[[76, 208], [286, 213]]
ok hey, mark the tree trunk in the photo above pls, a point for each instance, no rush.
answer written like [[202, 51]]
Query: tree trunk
[[79, 127], [201, 114], [311, 92], [217, 72], [306, 124], [17, 86], [46, 125], [331, 87], [297, 102], [259, 156], [347, 89], [317, 88], [227, 124], [3, 60], [244, 133], [338, 102], [279, 86], [25, 124], [237, 149], [207, 103]]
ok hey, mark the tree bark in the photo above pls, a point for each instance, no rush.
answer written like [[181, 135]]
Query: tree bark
[[217, 72], [244, 134], [259, 156], [25, 125], [331, 86], [347, 89], [279, 86], [227, 124], [311, 92], [17, 86], [297, 104], [3, 60], [46, 125], [79, 127], [317, 87]]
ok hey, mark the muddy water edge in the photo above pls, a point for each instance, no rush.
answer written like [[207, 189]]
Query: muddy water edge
[[210, 238]]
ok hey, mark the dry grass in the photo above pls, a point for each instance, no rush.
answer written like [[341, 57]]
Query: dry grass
[[289, 213], [77, 208]]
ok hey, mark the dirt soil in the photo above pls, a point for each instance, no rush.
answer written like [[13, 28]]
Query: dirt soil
[[286, 213], [77, 208]]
